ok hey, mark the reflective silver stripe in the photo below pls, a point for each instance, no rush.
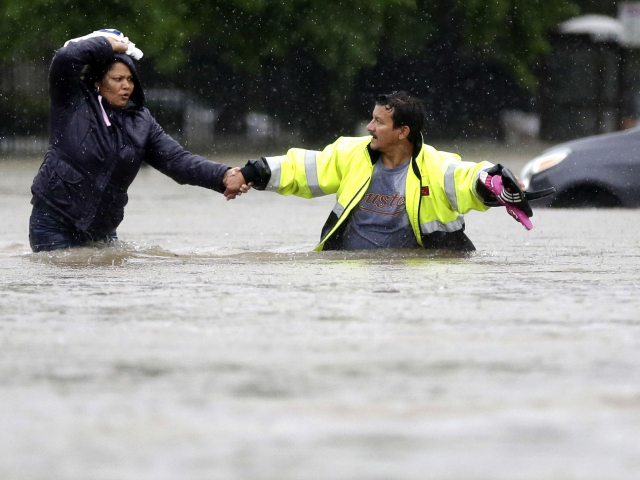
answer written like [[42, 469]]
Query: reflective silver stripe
[[276, 167], [338, 209], [436, 226], [311, 171], [450, 186]]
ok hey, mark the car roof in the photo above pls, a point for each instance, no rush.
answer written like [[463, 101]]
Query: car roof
[[631, 137]]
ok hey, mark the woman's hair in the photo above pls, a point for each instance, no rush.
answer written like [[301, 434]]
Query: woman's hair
[[405, 110], [96, 71]]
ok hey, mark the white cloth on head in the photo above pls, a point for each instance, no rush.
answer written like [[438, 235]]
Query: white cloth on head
[[132, 50]]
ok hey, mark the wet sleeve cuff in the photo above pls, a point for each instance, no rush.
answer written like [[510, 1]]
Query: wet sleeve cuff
[[258, 172], [250, 172]]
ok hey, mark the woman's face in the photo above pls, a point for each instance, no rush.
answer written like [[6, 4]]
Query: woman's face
[[117, 85]]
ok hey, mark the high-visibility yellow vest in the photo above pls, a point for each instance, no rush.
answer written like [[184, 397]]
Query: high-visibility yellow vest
[[440, 187]]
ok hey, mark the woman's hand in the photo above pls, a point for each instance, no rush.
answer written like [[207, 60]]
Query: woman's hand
[[118, 47], [235, 183]]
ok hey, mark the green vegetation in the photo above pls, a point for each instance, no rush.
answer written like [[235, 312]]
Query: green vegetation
[[344, 36], [332, 40]]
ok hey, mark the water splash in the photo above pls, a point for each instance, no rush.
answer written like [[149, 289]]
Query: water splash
[[115, 254], [121, 253]]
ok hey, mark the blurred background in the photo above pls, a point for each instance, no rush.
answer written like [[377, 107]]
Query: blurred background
[[225, 74]]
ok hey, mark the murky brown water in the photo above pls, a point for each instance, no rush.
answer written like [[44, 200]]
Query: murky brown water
[[212, 344]]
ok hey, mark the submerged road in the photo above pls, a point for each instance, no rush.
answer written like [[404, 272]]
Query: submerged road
[[212, 343]]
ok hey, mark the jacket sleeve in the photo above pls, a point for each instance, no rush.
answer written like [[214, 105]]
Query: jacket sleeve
[[67, 64], [460, 181], [168, 156], [300, 172]]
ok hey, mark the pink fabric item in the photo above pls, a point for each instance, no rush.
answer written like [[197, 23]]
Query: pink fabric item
[[494, 183], [104, 114]]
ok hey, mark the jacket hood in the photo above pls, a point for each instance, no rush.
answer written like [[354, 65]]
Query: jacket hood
[[95, 71]]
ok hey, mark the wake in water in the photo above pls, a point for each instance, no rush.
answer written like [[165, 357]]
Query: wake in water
[[124, 253], [116, 253]]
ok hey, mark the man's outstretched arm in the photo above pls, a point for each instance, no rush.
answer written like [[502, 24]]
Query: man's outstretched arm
[[301, 172]]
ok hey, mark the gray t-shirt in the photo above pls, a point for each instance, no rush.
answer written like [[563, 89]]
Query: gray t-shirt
[[380, 220]]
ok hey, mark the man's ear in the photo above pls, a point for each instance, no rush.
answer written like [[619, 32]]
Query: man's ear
[[404, 132]]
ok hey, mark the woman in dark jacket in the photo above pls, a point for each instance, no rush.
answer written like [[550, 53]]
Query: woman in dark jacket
[[100, 132]]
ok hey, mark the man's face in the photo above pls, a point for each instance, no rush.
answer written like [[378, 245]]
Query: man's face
[[383, 136]]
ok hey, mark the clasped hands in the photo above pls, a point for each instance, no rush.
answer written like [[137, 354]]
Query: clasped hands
[[235, 183]]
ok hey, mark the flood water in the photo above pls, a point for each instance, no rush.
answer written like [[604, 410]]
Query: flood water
[[211, 343]]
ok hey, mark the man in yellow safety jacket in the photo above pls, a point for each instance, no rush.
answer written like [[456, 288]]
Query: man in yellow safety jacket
[[392, 190]]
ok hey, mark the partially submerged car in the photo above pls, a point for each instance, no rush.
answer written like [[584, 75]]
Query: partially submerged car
[[597, 171]]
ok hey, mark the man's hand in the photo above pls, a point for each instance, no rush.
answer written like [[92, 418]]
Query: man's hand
[[506, 189], [499, 186], [235, 184]]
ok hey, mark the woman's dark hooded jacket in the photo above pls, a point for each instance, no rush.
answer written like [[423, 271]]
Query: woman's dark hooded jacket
[[89, 166]]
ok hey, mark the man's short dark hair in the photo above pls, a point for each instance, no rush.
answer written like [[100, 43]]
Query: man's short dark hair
[[406, 110]]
